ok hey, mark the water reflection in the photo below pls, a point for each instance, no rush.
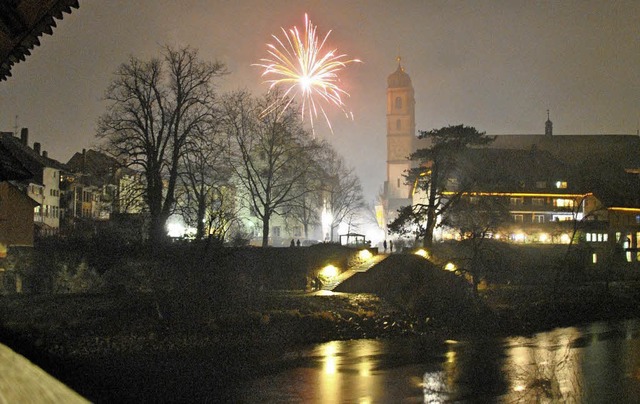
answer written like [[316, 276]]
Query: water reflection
[[599, 362], [545, 368]]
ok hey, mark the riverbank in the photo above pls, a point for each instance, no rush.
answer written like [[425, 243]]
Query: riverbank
[[127, 347], [184, 324]]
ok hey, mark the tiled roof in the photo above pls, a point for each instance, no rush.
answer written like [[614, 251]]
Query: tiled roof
[[28, 157], [10, 167], [537, 171], [22, 22], [97, 168], [574, 149], [516, 170]]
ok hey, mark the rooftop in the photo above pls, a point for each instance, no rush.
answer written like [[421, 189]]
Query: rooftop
[[22, 23]]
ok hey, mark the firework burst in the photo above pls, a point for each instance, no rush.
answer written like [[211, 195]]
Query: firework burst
[[299, 64]]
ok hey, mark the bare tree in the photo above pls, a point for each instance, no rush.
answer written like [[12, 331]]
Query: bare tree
[[477, 220], [341, 189], [155, 105], [269, 154], [204, 175], [221, 213], [305, 210]]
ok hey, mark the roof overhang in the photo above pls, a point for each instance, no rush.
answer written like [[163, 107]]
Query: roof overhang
[[22, 22]]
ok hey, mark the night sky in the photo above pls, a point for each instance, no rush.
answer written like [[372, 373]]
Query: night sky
[[497, 65]]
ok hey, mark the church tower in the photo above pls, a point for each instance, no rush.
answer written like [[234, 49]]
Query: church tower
[[548, 126], [401, 139]]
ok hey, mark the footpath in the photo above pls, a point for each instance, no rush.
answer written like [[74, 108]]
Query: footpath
[[364, 267]]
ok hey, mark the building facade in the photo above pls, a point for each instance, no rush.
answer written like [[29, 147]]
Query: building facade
[[44, 186], [548, 183], [401, 142]]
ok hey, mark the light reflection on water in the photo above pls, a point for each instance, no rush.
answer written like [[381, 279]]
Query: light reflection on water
[[595, 363]]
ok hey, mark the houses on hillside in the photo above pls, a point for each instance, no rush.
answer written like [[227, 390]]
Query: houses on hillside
[[44, 184], [63, 198]]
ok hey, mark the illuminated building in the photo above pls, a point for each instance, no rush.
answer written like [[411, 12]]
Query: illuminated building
[[547, 182], [44, 186], [401, 142]]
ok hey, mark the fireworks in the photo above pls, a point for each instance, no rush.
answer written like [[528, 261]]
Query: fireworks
[[299, 64]]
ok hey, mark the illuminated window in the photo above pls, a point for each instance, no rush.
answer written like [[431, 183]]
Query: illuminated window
[[588, 237], [618, 234], [516, 201], [563, 203], [537, 201], [518, 218], [561, 184], [538, 218], [594, 258], [398, 103]]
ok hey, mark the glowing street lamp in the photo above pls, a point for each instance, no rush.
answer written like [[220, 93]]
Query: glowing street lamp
[[329, 272], [365, 255]]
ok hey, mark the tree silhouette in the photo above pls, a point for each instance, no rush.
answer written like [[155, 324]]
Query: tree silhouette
[[433, 176], [154, 107]]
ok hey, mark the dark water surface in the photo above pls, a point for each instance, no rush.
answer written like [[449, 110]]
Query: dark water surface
[[596, 363]]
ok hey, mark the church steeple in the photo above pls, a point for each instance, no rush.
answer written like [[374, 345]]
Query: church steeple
[[401, 129], [548, 126]]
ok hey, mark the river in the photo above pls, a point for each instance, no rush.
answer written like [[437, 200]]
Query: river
[[599, 362]]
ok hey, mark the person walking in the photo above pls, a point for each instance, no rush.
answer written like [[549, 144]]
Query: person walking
[[384, 244], [391, 246]]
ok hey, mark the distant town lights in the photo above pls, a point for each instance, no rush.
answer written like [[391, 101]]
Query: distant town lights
[[423, 253], [451, 267]]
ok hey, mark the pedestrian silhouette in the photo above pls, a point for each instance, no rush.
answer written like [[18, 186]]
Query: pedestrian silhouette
[[293, 244], [298, 243], [384, 244], [390, 246]]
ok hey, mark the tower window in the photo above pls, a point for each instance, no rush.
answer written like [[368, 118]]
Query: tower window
[[398, 182], [398, 103], [398, 124]]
